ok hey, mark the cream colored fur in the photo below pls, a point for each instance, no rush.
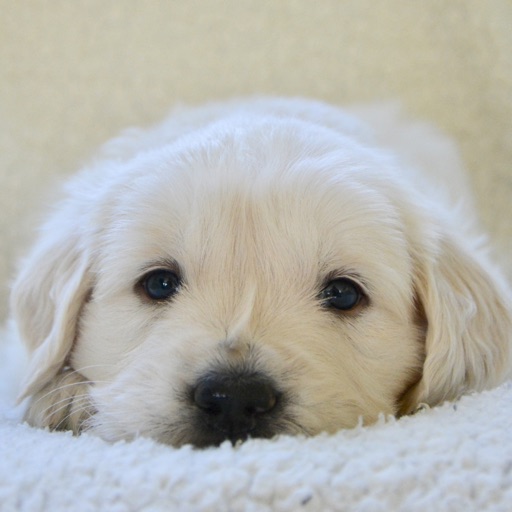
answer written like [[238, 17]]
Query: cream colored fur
[[258, 202]]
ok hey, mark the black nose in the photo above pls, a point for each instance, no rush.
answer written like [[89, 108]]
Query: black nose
[[235, 407]]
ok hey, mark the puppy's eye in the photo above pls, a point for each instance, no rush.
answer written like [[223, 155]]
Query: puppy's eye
[[342, 294], [160, 284]]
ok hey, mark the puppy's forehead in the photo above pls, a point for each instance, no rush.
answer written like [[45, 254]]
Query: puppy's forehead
[[265, 200]]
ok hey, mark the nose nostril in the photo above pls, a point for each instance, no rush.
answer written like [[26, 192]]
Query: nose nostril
[[262, 402], [209, 400]]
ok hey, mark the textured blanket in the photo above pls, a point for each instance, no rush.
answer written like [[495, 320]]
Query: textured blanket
[[457, 457]]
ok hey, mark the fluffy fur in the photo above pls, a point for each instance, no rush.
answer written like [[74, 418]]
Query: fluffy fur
[[256, 206]]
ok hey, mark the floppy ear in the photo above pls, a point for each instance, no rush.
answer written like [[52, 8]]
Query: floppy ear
[[468, 321], [46, 301]]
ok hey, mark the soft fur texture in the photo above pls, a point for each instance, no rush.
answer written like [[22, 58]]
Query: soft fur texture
[[257, 206]]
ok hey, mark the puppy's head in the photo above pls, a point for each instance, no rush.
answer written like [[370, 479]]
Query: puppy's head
[[250, 280]]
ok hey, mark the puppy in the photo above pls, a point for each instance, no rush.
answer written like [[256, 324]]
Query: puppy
[[255, 268]]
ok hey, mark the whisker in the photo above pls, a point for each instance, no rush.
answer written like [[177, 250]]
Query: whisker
[[67, 386], [79, 410], [66, 401], [73, 371]]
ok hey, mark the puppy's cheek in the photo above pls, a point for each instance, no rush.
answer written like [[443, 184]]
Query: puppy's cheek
[[112, 330], [144, 398], [125, 410], [328, 403], [353, 387]]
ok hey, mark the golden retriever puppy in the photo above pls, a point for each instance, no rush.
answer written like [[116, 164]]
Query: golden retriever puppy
[[255, 268]]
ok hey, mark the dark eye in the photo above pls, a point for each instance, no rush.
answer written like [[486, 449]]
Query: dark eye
[[160, 284], [342, 294]]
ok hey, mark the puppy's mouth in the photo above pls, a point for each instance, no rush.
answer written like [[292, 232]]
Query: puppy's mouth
[[234, 406]]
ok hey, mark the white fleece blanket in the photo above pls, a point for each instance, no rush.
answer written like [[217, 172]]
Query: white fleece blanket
[[457, 457]]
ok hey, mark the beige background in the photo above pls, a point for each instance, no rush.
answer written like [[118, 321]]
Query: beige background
[[75, 72]]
